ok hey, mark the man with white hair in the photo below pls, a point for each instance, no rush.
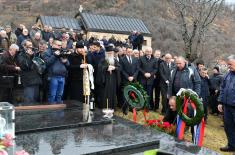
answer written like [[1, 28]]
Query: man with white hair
[[9, 68], [148, 68], [136, 53], [108, 79], [227, 104], [165, 72]]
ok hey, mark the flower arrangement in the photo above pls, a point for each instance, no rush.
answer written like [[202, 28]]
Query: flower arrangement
[[6, 141], [162, 126]]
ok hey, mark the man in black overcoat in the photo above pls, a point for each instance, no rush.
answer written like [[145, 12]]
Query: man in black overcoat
[[148, 68]]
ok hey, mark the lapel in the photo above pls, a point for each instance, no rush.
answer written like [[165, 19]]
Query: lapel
[[126, 61]]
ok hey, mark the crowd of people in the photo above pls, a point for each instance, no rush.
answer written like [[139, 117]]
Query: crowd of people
[[52, 63]]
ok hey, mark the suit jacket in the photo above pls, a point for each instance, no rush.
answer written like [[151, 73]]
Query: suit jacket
[[129, 69], [165, 72], [147, 66]]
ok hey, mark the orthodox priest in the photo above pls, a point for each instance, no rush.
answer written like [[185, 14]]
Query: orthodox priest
[[75, 74], [108, 77]]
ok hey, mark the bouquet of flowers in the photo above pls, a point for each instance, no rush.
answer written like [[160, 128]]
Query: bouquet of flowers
[[162, 126], [6, 141]]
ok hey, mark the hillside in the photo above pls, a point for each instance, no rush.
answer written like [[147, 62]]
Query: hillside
[[158, 15]]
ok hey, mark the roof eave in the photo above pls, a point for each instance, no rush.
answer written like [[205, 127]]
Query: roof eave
[[116, 32]]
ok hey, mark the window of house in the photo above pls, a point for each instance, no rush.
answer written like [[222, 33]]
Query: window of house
[[145, 43]]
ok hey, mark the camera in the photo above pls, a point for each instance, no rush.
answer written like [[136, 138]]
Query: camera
[[64, 53]]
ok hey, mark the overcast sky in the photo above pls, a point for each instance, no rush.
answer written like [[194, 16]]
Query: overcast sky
[[230, 1]]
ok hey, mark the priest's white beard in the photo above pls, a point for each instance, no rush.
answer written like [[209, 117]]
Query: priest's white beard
[[110, 59]]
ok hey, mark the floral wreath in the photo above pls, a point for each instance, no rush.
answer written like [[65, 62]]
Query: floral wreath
[[135, 95], [187, 95]]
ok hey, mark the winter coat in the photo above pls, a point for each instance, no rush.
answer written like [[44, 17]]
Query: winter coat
[[227, 90]]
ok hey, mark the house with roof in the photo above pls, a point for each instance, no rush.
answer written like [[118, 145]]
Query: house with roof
[[98, 26]]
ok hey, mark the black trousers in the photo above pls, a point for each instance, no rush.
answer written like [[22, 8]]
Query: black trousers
[[120, 97], [149, 89], [6, 95], [229, 124], [165, 105], [157, 93], [214, 103], [205, 105]]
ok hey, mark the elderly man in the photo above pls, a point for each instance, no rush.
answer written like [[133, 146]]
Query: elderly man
[[36, 39], [8, 67], [148, 68], [165, 73], [31, 79], [185, 76], [227, 104], [136, 53], [108, 79], [11, 36]]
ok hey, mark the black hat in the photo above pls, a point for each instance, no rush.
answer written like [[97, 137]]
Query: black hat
[[217, 68], [116, 50], [80, 44], [109, 48]]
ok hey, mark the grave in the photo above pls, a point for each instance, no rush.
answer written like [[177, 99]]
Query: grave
[[74, 130]]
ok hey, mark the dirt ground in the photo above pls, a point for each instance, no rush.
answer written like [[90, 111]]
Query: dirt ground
[[214, 136]]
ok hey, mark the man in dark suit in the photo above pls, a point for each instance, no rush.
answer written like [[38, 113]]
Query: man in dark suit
[[157, 89], [148, 68], [165, 72], [129, 65]]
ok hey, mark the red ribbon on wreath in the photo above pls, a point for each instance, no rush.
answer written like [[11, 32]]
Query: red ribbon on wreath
[[132, 95]]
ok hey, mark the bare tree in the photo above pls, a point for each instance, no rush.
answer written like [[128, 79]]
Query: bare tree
[[195, 16]]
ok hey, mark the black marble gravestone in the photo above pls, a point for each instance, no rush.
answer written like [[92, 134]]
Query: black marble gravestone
[[75, 131]]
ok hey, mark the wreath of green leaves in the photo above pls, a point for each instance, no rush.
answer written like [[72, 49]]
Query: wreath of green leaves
[[140, 99], [189, 94]]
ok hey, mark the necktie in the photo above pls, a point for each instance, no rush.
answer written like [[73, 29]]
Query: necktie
[[169, 66], [130, 60]]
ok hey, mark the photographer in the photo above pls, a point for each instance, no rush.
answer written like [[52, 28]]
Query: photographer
[[56, 62], [31, 79]]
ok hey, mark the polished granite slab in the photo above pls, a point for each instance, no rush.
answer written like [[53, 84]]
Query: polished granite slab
[[120, 137], [76, 130], [44, 120]]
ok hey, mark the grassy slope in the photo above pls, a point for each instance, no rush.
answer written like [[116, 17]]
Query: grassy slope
[[214, 136]]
